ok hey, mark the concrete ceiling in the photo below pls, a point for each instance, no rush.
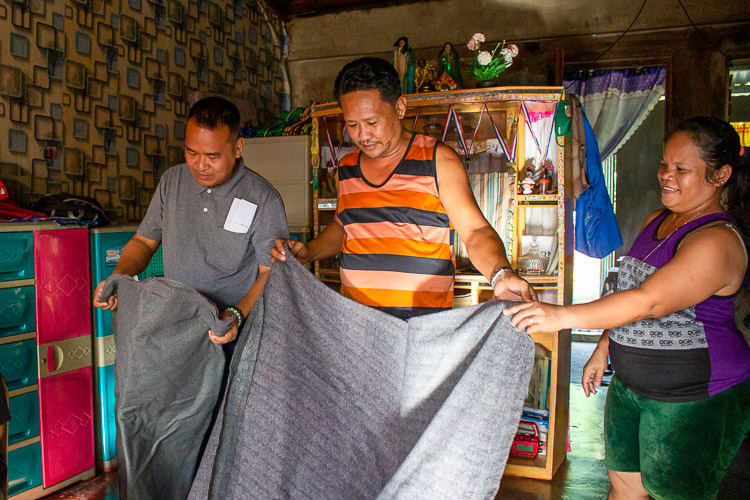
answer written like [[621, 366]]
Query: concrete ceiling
[[288, 9]]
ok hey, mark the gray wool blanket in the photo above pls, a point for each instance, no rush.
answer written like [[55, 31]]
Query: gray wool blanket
[[167, 380], [329, 399]]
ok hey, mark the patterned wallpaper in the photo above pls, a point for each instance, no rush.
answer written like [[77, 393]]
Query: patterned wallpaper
[[94, 93]]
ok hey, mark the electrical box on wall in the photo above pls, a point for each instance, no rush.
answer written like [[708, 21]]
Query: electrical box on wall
[[285, 162]]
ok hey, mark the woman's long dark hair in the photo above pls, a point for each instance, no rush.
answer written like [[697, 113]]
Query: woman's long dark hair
[[406, 44], [720, 145]]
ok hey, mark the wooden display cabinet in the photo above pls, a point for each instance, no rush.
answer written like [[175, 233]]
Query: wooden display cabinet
[[504, 129]]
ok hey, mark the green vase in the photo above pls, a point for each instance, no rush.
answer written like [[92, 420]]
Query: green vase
[[483, 84]]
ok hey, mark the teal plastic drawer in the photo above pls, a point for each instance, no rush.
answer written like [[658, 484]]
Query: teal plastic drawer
[[155, 266], [16, 256], [18, 363], [17, 310], [24, 417], [24, 469], [106, 248]]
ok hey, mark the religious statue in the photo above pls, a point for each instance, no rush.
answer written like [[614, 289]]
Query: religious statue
[[424, 75], [403, 61], [448, 64]]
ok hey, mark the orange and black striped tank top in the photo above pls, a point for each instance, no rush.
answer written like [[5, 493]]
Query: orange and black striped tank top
[[397, 254]]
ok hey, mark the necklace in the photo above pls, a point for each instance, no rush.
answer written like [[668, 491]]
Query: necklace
[[697, 214]]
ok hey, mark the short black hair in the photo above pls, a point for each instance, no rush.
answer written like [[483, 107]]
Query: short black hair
[[213, 112], [369, 73]]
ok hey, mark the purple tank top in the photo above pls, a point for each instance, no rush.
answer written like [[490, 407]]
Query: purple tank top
[[686, 355]]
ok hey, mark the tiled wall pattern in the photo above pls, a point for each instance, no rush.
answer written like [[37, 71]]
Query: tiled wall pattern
[[94, 93]]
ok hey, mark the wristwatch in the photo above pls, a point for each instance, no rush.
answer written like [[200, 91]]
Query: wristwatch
[[499, 274]]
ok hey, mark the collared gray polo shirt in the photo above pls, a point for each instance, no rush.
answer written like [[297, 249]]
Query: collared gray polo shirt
[[189, 221]]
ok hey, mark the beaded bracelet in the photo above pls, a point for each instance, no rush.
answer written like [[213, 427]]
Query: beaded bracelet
[[499, 274], [237, 313]]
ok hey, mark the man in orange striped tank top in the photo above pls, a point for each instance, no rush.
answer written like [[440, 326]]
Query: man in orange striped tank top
[[400, 195]]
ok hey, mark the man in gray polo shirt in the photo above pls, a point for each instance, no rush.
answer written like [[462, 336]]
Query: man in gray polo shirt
[[215, 219]]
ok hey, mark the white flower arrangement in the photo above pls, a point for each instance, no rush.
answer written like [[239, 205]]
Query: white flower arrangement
[[484, 58], [487, 67]]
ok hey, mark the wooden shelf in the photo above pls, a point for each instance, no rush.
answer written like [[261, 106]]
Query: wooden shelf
[[555, 344], [465, 96], [550, 340], [538, 462], [538, 199], [327, 203], [536, 468], [471, 278], [329, 275], [479, 281], [328, 279], [540, 278]]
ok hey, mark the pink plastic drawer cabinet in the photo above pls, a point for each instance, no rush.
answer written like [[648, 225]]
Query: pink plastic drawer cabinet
[[46, 356]]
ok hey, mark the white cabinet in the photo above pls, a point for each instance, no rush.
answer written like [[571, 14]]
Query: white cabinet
[[285, 162]]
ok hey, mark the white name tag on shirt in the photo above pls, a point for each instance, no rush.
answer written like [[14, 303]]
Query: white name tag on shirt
[[240, 216]]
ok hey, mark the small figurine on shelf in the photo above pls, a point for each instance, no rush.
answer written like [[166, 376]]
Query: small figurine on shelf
[[529, 167], [537, 172], [547, 175], [424, 75], [527, 185], [403, 61], [544, 185], [448, 63]]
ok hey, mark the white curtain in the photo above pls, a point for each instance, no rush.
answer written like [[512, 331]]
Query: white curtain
[[617, 101]]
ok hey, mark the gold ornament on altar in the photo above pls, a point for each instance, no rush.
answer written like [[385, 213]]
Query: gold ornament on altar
[[446, 82], [424, 75]]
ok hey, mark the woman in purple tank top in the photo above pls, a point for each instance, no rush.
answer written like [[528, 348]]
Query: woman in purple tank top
[[678, 406]]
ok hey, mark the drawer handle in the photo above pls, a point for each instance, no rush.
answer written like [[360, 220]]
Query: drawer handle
[[54, 358]]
